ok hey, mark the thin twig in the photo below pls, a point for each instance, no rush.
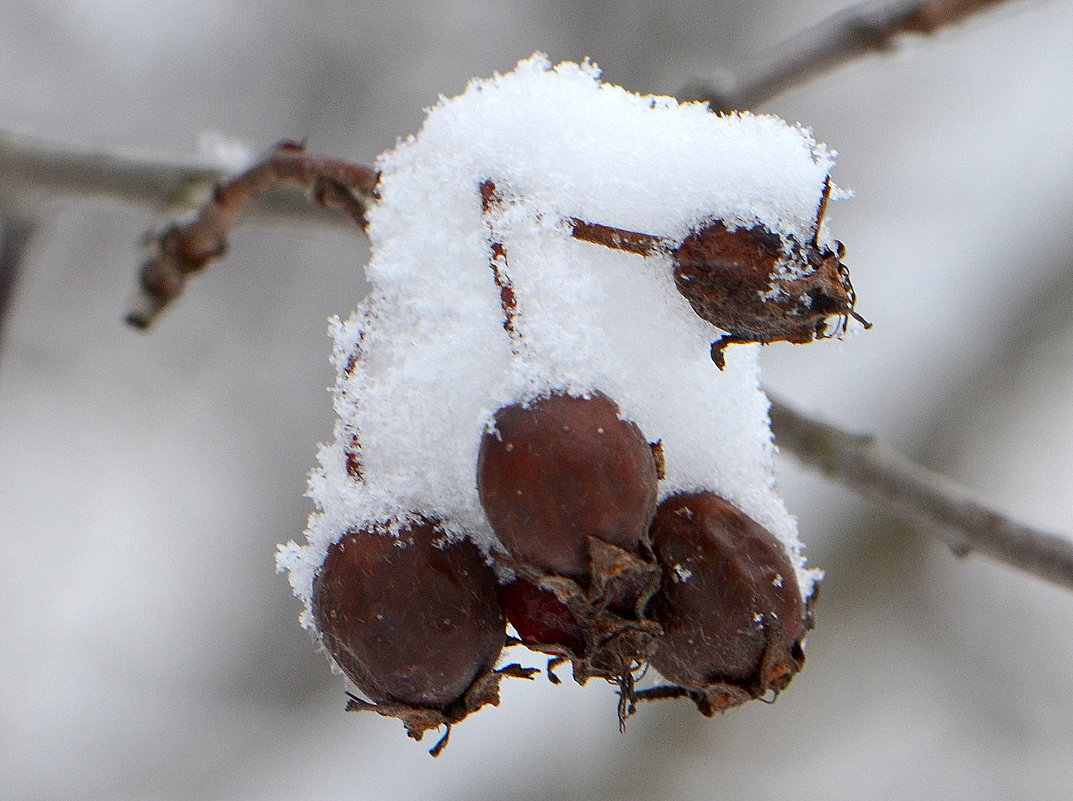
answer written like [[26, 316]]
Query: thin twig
[[847, 36], [923, 497], [15, 235], [182, 249], [34, 169]]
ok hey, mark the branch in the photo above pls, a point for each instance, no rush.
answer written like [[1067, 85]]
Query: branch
[[31, 168], [15, 235], [925, 498], [34, 169], [187, 248], [847, 36]]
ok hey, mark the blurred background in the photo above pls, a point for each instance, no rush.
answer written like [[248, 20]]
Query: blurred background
[[148, 650]]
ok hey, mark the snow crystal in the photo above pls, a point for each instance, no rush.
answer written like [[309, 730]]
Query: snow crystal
[[224, 152], [425, 360]]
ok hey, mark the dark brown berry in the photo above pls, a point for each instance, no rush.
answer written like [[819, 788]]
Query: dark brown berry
[[414, 622], [570, 490], [758, 288], [560, 471], [729, 604]]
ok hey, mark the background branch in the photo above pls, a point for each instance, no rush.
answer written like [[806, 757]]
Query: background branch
[[921, 496], [847, 36], [33, 170], [15, 235], [182, 249]]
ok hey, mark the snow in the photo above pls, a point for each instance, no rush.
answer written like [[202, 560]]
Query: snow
[[425, 361], [225, 152]]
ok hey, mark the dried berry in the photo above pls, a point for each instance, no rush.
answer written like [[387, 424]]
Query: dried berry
[[570, 490], [561, 471], [758, 288], [729, 604], [752, 283], [414, 622]]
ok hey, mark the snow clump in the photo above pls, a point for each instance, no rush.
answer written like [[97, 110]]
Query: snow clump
[[435, 349]]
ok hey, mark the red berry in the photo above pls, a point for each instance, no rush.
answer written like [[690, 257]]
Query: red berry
[[542, 621]]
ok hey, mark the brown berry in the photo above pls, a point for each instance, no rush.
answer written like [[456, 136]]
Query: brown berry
[[570, 490], [729, 604], [751, 284], [414, 622], [560, 470]]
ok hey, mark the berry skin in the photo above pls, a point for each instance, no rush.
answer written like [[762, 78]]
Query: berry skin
[[415, 623], [729, 604], [542, 621]]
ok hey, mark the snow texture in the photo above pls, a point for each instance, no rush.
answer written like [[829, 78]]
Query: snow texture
[[425, 361]]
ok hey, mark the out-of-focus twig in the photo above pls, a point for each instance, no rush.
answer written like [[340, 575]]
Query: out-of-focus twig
[[15, 235], [923, 497], [851, 34], [34, 170], [185, 248]]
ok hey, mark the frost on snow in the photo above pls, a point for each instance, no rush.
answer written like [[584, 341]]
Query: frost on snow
[[443, 340]]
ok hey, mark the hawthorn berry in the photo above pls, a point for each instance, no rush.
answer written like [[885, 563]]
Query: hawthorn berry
[[415, 622], [729, 604], [561, 471], [751, 284], [570, 490]]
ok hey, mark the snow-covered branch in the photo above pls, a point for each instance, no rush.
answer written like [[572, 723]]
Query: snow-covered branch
[[33, 169], [842, 38], [921, 496]]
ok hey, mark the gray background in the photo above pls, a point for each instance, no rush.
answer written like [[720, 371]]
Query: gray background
[[147, 650]]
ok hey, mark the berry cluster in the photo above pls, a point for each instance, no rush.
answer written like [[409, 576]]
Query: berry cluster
[[604, 577]]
